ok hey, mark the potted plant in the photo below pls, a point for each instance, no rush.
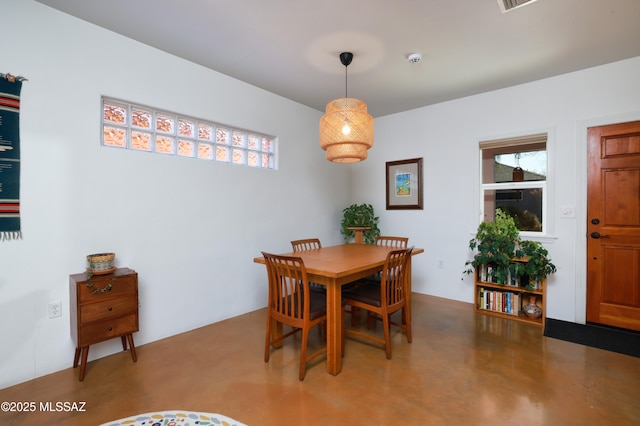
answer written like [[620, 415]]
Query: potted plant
[[360, 216], [495, 243], [538, 265]]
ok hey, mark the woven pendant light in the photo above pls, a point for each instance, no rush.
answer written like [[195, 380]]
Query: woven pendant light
[[346, 129]]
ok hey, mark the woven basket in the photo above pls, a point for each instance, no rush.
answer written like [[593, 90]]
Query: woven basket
[[100, 261]]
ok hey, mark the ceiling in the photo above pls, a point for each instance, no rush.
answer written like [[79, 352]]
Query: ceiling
[[292, 47]]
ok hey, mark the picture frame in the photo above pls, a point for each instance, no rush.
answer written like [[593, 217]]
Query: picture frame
[[404, 184]]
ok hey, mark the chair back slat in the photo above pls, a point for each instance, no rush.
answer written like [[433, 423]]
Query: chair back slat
[[306, 244], [287, 285], [387, 241], [394, 277]]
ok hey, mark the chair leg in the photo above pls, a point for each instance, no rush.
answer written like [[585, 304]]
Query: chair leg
[[303, 353], [267, 344], [353, 312], [408, 331], [387, 335], [343, 330], [371, 319]]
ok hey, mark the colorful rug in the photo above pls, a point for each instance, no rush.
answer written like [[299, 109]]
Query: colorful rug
[[10, 157], [176, 418]]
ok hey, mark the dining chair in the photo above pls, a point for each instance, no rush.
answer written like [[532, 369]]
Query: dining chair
[[400, 242], [384, 298], [307, 244], [388, 241], [292, 303]]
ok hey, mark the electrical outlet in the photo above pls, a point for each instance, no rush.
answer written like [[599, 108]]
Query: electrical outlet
[[55, 309]]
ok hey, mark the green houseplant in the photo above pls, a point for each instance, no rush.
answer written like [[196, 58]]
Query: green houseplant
[[538, 266], [498, 244], [360, 216], [495, 243]]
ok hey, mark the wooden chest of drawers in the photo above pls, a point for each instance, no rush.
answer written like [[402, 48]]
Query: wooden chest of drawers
[[103, 307]]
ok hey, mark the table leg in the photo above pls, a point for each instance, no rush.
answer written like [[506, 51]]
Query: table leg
[[124, 342], [406, 317], [334, 328]]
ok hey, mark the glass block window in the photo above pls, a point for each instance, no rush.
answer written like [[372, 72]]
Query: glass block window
[[139, 128], [514, 179]]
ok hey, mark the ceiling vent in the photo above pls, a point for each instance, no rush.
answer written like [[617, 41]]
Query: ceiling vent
[[509, 5]]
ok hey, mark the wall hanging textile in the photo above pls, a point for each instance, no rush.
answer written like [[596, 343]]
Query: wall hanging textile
[[10, 157]]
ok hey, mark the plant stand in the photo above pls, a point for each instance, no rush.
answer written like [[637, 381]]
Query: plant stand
[[359, 230]]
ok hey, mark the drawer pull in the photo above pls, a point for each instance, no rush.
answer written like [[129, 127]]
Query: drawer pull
[[110, 309], [110, 328]]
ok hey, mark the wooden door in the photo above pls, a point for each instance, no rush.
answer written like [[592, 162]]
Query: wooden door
[[613, 225]]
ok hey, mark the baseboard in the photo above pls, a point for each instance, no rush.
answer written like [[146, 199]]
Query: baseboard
[[608, 338]]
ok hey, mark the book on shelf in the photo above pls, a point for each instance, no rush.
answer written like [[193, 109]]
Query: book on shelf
[[507, 302], [483, 273], [514, 280]]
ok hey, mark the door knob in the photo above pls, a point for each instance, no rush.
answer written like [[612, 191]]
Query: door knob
[[595, 221], [595, 235]]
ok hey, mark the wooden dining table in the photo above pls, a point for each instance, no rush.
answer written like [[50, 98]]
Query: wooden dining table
[[333, 267]]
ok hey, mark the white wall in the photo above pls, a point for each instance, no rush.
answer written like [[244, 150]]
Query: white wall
[[447, 135], [190, 228]]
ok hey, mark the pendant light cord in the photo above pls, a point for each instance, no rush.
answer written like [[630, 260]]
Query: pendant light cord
[[345, 59], [346, 81]]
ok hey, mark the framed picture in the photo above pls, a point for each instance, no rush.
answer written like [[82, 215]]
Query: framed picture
[[404, 184]]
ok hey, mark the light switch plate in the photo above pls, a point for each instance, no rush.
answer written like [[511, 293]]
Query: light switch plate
[[567, 212]]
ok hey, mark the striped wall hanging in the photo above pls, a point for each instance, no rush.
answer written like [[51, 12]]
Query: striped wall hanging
[[10, 87]]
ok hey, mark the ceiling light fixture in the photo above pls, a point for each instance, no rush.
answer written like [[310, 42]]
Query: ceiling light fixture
[[346, 129]]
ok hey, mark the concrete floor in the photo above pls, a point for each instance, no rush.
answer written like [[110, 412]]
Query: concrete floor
[[462, 368]]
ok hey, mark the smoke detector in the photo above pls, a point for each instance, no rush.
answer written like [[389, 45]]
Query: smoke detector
[[414, 58]]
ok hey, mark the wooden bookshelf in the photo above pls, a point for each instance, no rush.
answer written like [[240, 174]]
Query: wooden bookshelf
[[508, 300]]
